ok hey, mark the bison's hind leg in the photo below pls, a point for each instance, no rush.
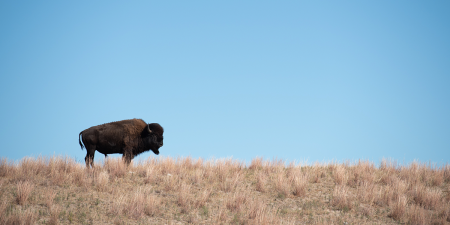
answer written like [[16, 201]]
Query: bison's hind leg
[[89, 159]]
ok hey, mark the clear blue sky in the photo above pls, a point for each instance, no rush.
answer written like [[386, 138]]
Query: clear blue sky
[[297, 80]]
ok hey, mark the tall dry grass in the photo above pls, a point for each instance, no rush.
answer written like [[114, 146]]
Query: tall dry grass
[[162, 190]]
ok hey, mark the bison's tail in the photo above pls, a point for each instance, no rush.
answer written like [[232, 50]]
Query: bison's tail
[[79, 140]]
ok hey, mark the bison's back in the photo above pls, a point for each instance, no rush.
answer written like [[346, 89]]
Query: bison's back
[[133, 127], [114, 133]]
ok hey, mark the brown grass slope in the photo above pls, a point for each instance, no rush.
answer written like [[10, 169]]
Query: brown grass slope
[[57, 190]]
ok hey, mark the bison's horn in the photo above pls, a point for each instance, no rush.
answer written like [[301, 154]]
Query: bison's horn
[[148, 129]]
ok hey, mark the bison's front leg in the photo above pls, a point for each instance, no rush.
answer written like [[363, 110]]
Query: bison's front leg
[[127, 157]]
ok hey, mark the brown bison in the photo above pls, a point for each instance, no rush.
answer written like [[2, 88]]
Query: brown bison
[[128, 137]]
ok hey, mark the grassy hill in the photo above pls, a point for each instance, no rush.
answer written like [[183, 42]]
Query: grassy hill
[[57, 190]]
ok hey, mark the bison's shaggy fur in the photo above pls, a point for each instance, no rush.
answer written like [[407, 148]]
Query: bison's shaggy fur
[[127, 137]]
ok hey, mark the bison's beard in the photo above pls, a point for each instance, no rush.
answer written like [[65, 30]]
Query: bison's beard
[[156, 151]]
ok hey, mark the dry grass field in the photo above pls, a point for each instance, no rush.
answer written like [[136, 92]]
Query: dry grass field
[[58, 190]]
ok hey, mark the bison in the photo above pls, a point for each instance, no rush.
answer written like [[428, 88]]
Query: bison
[[128, 137]]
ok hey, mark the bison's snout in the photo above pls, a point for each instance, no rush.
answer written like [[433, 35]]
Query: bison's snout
[[160, 145]]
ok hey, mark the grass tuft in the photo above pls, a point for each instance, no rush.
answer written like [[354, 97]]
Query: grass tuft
[[24, 190]]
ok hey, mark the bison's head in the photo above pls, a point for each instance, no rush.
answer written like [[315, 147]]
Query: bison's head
[[153, 137]]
